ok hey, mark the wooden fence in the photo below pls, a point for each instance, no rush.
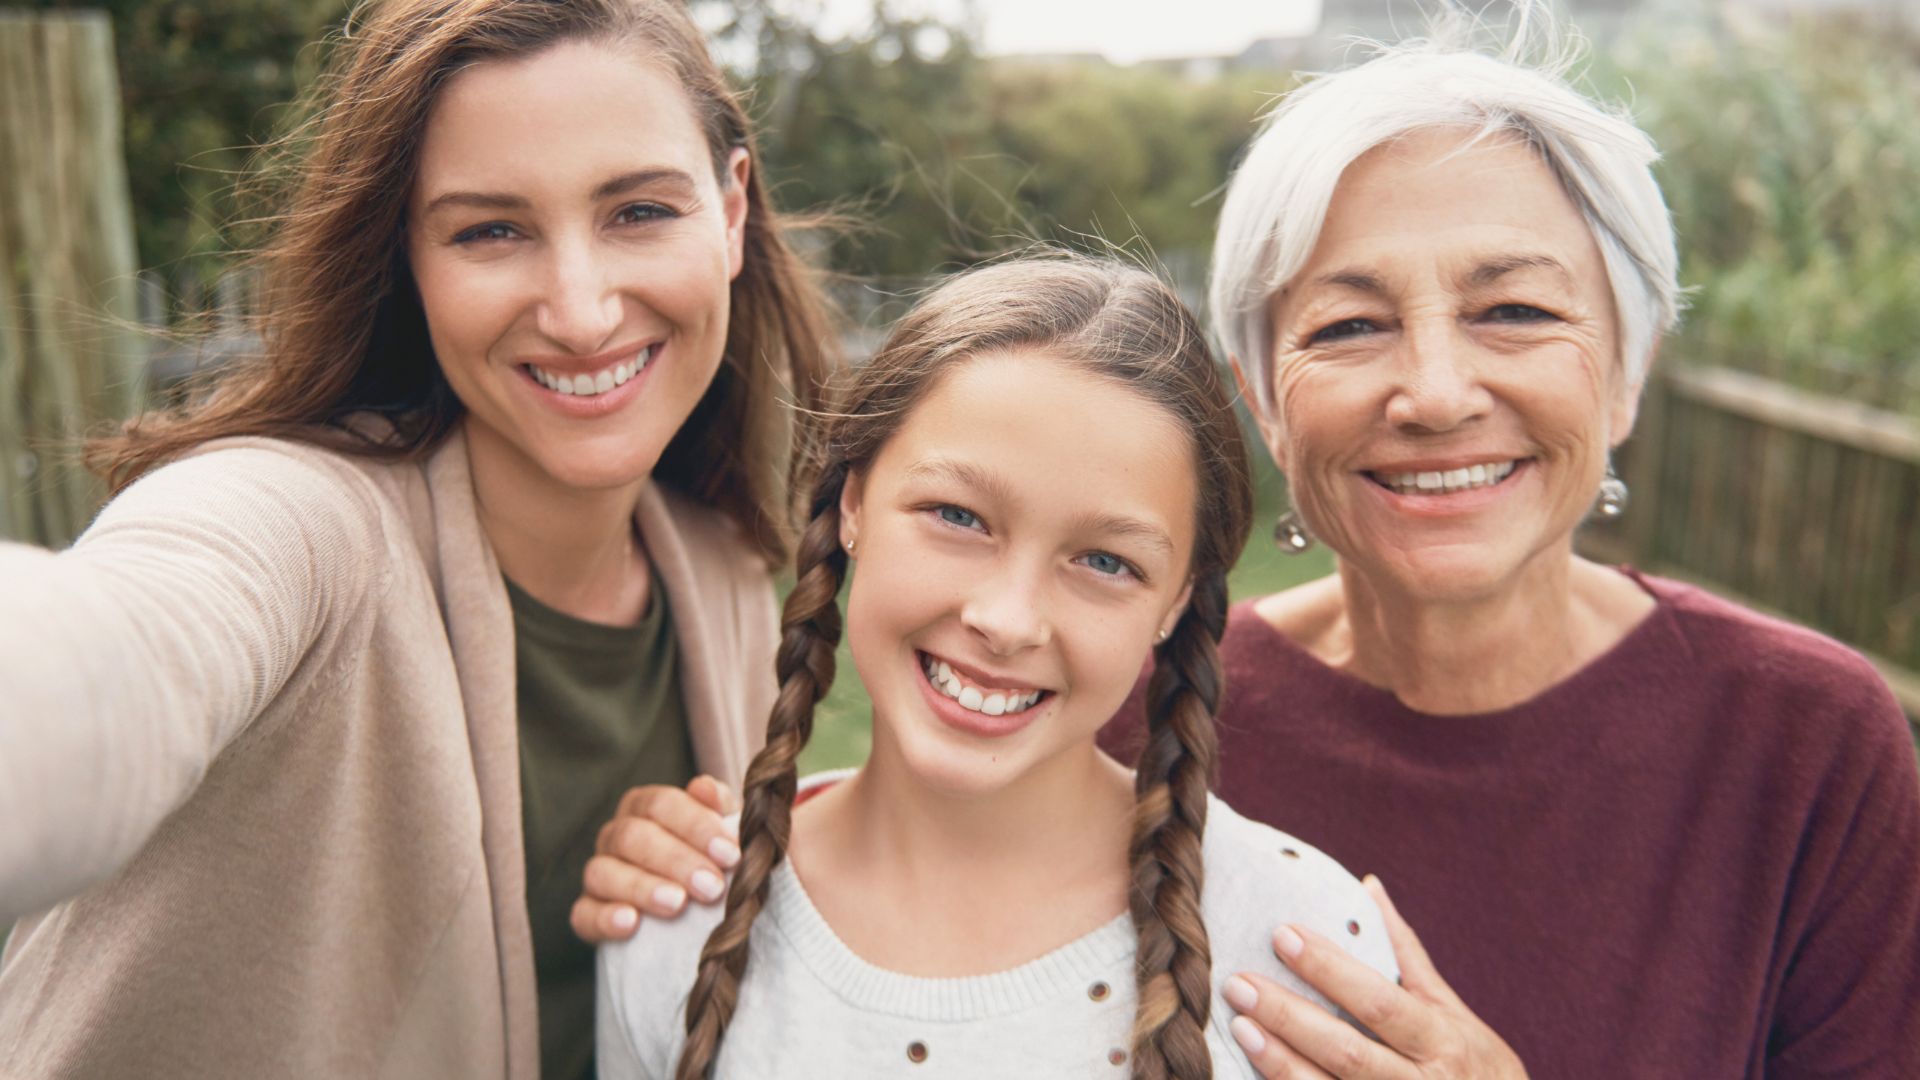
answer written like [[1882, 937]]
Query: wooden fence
[[1802, 505]]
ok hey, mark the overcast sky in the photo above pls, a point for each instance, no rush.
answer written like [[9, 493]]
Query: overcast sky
[[1124, 30]]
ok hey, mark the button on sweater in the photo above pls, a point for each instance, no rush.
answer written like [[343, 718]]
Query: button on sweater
[[812, 1010]]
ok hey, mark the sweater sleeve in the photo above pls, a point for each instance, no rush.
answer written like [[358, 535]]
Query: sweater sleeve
[[1850, 1002], [130, 660]]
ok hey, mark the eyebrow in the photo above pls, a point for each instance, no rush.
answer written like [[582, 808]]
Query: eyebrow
[[1358, 280], [1494, 269], [972, 476], [676, 179], [1128, 528], [963, 473]]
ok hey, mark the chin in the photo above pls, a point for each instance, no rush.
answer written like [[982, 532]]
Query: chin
[[955, 766], [1449, 573], [598, 466]]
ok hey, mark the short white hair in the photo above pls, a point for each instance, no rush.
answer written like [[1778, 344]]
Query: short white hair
[[1277, 202]]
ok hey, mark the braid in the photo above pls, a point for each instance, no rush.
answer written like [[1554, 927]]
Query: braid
[[1174, 964], [809, 633]]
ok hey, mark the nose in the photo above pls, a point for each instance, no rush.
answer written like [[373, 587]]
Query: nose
[[1438, 387], [1007, 612], [580, 309]]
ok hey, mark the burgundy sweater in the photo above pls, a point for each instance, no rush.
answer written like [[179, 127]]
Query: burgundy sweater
[[1698, 857]]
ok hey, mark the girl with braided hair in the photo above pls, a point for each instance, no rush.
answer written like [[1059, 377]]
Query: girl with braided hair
[[1042, 481]]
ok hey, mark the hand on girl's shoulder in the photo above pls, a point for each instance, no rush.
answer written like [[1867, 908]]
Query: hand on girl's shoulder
[[642, 989], [1258, 879]]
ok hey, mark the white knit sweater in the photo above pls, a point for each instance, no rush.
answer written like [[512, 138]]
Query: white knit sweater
[[809, 1008]]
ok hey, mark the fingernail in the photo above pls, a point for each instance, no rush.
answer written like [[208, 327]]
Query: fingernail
[[625, 918], [1288, 942], [723, 851], [706, 885], [1240, 994], [1247, 1034], [669, 898]]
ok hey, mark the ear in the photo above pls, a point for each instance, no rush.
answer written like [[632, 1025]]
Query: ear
[[851, 494], [1269, 431], [1624, 409], [1179, 609], [733, 202]]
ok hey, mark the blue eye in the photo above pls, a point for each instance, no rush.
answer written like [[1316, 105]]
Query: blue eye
[[641, 212], [1108, 565], [957, 516], [1345, 328], [492, 230]]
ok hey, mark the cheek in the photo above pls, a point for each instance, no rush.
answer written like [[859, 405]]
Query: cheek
[[467, 308]]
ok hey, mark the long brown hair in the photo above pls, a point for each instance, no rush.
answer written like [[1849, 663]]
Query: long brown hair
[[342, 332], [1116, 322]]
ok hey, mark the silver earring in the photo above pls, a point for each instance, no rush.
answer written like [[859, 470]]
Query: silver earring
[[850, 544], [1613, 495], [1161, 636], [1291, 533]]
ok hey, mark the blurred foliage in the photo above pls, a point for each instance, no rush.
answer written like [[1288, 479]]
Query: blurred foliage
[[203, 82], [1792, 162], [945, 157], [1792, 156]]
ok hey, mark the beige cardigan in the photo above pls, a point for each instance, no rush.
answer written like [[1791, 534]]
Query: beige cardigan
[[258, 751]]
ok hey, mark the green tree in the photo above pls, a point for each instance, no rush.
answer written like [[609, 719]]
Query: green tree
[[203, 81]]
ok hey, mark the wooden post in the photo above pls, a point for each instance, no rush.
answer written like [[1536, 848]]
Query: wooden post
[[70, 352]]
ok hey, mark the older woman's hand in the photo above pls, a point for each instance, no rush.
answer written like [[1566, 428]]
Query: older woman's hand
[[663, 845], [1424, 1027]]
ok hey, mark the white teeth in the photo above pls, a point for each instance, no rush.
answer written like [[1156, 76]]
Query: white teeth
[[599, 382], [1446, 483], [995, 703]]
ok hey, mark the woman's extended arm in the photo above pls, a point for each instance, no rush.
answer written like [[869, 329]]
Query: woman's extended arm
[[129, 661]]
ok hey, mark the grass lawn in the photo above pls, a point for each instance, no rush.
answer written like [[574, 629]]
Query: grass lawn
[[842, 732]]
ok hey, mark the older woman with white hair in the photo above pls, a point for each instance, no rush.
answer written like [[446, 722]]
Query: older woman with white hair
[[1643, 831]]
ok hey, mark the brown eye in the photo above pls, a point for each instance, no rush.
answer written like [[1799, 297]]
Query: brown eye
[[1340, 331], [642, 212], [1516, 313]]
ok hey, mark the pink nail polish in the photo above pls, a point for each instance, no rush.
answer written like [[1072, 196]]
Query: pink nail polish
[[1288, 942], [1247, 1034], [1240, 994]]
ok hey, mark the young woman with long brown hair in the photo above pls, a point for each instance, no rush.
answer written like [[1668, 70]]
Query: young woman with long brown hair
[[1041, 480], [304, 744]]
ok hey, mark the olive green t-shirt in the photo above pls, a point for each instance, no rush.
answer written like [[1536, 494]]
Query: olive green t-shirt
[[600, 712]]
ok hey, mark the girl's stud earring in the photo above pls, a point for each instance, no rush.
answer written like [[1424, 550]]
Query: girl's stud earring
[[1291, 533], [1161, 636], [850, 544]]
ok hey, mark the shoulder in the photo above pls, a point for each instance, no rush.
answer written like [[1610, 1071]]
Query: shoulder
[[642, 988], [1769, 666], [274, 502], [1259, 877]]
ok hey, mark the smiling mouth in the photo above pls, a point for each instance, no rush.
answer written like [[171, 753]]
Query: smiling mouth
[[988, 701], [1450, 482], [592, 383]]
